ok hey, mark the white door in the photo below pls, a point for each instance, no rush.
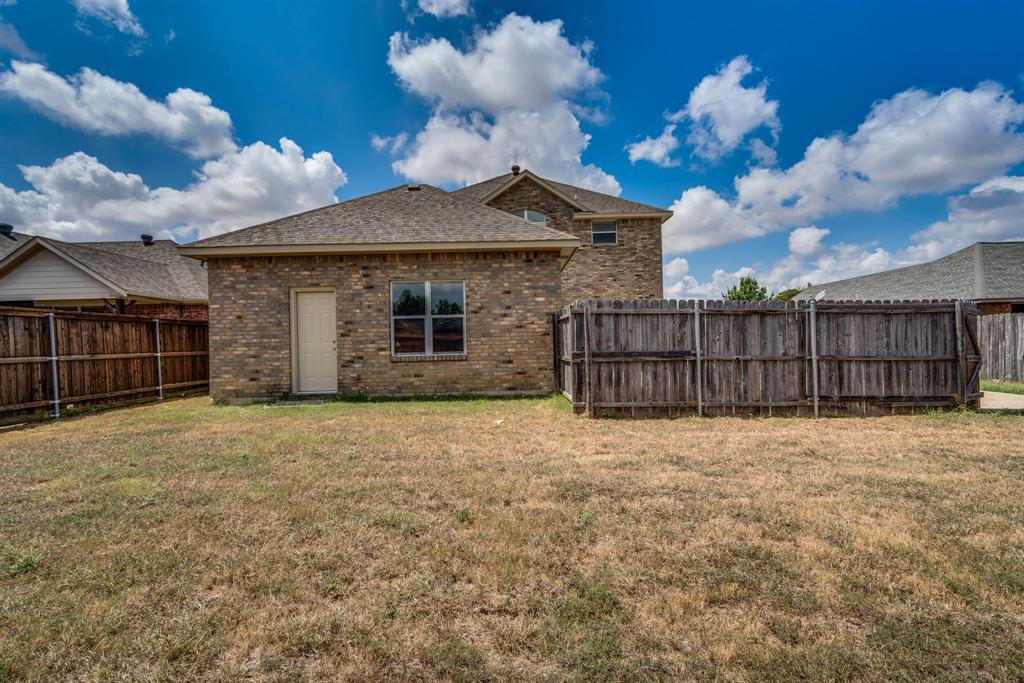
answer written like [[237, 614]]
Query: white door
[[316, 336]]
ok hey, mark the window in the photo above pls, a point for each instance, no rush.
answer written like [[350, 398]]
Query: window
[[532, 216], [421, 330], [604, 233]]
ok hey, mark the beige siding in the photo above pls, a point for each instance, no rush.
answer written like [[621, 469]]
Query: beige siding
[[47, 276]]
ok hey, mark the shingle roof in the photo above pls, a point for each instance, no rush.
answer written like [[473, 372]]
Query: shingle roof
[[157, 271], [591, 201], [9, 244], [395, 216], [980, 272]]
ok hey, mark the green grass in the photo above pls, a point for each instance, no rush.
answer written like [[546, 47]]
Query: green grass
[[1006, 387], [475, 540]]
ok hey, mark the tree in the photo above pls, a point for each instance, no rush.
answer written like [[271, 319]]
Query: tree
[[786, 294], [747, 289]]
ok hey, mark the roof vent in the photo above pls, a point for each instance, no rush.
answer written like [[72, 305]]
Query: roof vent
[[515, 169], [147, 240], [6, 229], [413, 188]]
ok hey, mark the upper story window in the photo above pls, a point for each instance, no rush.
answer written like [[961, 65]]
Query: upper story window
[[421, 330], [604, 232], [532, 216]]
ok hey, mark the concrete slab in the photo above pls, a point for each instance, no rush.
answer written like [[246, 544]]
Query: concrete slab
[[998, 401]]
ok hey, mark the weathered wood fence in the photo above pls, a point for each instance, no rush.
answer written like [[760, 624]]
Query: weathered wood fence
[[1002, 343], [55, 361], [725, 357]]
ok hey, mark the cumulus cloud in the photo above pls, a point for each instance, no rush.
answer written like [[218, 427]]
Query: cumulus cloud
[[657, 150], [807, 241], [79, 198], [991, 211], [12, 42], [97, 103], [392, 143], [680, 284], [444, 8], [511, 96], [723, 112], [914, 143], [115, 13]]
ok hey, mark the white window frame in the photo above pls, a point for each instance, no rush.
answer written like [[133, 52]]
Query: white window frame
[[593, 231], [428, 320], [522, 214]]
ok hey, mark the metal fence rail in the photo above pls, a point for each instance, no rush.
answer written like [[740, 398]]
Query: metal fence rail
[[722, 357]]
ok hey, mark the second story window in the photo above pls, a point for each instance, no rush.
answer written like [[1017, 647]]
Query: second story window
[[604, 232], [532, 216]]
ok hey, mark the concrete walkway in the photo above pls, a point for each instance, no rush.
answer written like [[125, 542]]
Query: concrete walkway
[[1002, 402]]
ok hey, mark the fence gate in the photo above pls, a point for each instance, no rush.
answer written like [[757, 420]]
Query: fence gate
[[1002, 342], [651, 357]]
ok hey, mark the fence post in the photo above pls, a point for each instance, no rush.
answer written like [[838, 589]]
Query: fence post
[[814, 356], [159, 363], [54, 373], [697, 357], [587, 338], [961, 362]]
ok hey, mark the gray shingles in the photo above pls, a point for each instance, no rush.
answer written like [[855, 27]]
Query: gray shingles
[[591, 201], [398, 215], [9, 244], [157, 271], [982, 271]]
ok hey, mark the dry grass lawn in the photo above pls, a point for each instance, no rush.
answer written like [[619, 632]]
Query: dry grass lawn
[[471, 540]]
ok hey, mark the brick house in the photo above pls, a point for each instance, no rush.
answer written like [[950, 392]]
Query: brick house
[[415, 290], [144, 277], [988, 273]]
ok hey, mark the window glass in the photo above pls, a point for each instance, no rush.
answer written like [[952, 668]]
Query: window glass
[[408, 298], [448, 335], [604, 233], [533, 216], [410, 335], [446, 298]]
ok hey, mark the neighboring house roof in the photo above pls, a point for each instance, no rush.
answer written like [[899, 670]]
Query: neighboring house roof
[[404, 218], [984, 271], [132, 269], [9, 244], [584, 200]]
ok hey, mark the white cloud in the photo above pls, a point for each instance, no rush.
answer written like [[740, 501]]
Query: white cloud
[[97, 103], [991, 211], [679, 284], [392, 143], [12, 42], [914, 143], [723, 112], [656, 150], [444, 8], [78, 198], [507, 98], [116, 13], [807, 241]]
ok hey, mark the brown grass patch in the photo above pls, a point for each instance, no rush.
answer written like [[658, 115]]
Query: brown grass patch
[[427, 540]]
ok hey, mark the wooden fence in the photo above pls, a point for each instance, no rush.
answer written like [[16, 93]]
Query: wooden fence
[[55, 361], [1002, 343], [725, 358]]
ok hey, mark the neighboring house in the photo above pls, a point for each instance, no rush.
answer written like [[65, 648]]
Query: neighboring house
[[142, 277], [411, 290], [990, 273], [620, 240]]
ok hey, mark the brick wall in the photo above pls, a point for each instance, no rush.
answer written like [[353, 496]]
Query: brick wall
[[991, 308], [170, 311], [509, 299], [630, 269]]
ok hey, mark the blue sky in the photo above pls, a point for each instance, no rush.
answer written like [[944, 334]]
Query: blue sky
[[918, 107]]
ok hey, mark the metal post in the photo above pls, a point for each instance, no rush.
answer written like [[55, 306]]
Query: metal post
[[159, 364], [698, 366], [587, 339], [814, 356], [54, 374]]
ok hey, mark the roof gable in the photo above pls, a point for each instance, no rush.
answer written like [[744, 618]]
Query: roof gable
[[584, 200]]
